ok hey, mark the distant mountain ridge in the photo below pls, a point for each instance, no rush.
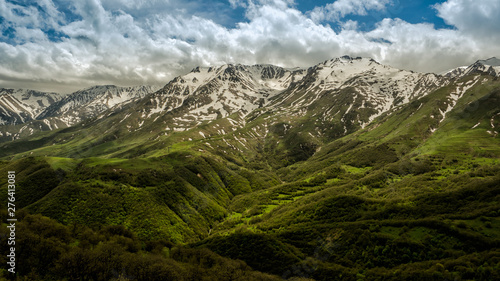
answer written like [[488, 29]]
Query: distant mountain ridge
[[376, 88], [206, 94], [490, 66], [493, 61], [346, 170], [24, 112], [211, 93], [348, 91], [89, 102], [19, 106]]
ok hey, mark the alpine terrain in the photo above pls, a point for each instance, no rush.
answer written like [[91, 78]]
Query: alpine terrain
[[346, 170], [20, 106], [29, 111]]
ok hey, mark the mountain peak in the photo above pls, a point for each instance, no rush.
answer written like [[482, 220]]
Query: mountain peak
[[348, 60], [22, 105], [347, 57], [493, 61], [490, 66]]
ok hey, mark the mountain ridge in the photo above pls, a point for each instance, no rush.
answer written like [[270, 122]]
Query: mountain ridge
[[71, 109], [345, 93], [348, 170], [195, 78], [490, 66], [18, 106]]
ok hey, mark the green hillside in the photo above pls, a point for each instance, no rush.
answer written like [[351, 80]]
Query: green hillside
[[413, 195]]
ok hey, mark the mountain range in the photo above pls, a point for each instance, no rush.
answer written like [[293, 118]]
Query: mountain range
[[348, 169], [221, 91], [21, 106], [24, 112]]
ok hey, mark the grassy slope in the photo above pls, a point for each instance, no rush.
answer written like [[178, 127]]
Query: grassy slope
[[392, 200]]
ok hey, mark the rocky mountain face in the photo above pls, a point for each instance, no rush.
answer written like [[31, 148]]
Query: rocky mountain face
[[87, 103], [315, 105], [211, 93], [21, 105], [353, 90], [49, 111], [490, 66], [348, 170]]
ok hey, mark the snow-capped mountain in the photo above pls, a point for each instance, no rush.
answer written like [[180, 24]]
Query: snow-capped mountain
[[90, 102], [216, 92], [18, 106], [207, 94], [491, 61], [55, 112], [335, 98], [490, 66], [373, 89]]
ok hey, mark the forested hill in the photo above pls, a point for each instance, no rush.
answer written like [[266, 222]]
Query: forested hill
[[347, 170]]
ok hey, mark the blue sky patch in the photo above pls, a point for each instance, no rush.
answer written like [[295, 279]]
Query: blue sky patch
[[128, 42]]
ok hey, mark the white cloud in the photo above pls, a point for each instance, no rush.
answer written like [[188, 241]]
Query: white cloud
[[126, 42], [476, 18], [238, 3], [339, 9], [421, 47], [27, 21]]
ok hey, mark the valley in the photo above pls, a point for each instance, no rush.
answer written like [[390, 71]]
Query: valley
[[346, 170]]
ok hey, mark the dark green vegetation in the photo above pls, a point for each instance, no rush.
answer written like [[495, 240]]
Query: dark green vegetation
[[406, 198], [52, 251]]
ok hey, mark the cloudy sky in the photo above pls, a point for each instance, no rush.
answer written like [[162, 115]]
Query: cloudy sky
[[64, 45]]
